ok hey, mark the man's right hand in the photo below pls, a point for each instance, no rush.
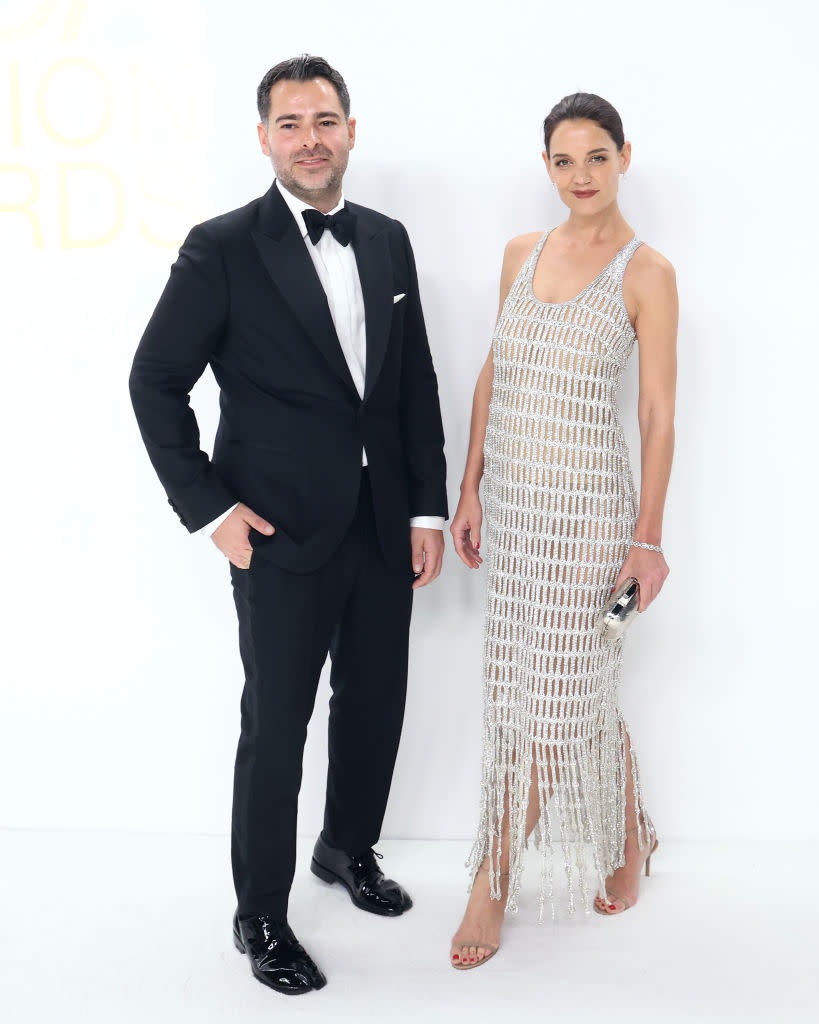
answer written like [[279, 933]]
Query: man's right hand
[[231, 536]]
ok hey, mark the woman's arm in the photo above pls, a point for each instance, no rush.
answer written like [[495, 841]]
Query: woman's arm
[[477, 428], [466, 523], [654, 290]]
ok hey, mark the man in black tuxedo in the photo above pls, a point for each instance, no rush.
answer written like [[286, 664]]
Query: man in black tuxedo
[[326, 491]]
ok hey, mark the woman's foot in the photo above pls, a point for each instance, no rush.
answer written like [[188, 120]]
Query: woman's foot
[[478, 937], [623, 887]]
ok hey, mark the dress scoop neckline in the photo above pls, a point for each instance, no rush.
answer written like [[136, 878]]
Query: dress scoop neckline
[[566, 302]]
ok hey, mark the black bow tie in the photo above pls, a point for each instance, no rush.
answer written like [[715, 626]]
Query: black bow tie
[[341, 225]]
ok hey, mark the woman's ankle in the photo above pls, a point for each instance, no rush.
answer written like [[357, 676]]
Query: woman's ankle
[[487, 871]]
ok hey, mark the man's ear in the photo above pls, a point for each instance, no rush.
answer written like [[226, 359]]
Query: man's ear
[[262, 132]]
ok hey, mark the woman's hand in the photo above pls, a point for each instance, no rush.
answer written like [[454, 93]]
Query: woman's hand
[[466, 529], [649, 569]]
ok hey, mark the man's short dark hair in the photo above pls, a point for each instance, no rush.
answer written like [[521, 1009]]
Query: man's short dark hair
[[300, 69]]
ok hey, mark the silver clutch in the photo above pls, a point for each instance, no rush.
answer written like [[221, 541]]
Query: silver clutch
[[619, 610]]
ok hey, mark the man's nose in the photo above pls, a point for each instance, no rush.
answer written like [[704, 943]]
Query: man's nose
[[310, 136]]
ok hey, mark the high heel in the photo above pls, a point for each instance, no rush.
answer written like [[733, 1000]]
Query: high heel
[[462, 965], [648, 858], [609, 909]]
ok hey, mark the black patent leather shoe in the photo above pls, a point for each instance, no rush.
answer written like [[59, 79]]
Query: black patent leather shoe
[[276, 956], [363, 879]]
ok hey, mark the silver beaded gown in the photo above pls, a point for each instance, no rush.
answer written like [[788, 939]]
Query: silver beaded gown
[[560, 508]]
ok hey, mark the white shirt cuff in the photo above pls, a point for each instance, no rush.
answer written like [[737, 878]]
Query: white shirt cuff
[[209, 530], [428, 522]]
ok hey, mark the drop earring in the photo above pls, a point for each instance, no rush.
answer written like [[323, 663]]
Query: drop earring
[[554, 186]]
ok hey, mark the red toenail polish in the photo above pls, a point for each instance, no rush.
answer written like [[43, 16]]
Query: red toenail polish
[[612, 906]]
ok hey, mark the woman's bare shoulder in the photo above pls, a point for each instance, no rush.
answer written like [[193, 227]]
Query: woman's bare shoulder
[[649, 285], [516, 253], [520, 246], [650, 266]]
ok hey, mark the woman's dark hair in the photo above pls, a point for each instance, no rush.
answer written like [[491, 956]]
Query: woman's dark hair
[[589, 107], [300, 69]]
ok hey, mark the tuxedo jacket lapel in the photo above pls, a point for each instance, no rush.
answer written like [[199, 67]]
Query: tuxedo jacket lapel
[[372, 255], [285, 257]]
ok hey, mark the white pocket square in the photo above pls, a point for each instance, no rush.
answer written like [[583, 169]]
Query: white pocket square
[[397, 298]]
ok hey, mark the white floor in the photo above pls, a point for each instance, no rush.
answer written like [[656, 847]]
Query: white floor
[[118, 927]]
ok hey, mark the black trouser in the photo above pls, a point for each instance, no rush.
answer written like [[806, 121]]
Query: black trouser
[[358, 610]]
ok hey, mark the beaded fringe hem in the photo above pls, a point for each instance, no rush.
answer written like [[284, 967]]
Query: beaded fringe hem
[[582, 791]]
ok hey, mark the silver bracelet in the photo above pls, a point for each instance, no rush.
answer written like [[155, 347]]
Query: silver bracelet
[[648, 547]]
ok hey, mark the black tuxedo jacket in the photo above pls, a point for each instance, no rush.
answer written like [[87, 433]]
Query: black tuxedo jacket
[[244, 296]]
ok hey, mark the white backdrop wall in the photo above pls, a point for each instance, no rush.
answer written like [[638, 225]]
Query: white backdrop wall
[[123, 123]]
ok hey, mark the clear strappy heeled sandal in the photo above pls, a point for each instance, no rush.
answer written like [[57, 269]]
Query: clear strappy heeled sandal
[[467, 966], [608, 909]]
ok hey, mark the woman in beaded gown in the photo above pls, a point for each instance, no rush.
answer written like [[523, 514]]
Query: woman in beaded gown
[[564, 528]]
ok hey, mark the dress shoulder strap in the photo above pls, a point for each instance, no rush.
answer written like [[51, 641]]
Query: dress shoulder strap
[[621, 260], [523, 278], [531, 262]]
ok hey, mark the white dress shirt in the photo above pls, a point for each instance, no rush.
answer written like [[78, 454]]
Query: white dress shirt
[[338, 273]]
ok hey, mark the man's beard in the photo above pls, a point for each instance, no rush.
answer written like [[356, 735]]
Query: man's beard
[[312, 188]]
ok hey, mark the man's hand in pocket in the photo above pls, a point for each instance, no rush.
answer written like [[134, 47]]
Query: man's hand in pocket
[[232, 535]]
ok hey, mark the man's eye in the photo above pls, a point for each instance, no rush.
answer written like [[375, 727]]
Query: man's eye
[[327, 124], [599, 157], [561, 163]]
